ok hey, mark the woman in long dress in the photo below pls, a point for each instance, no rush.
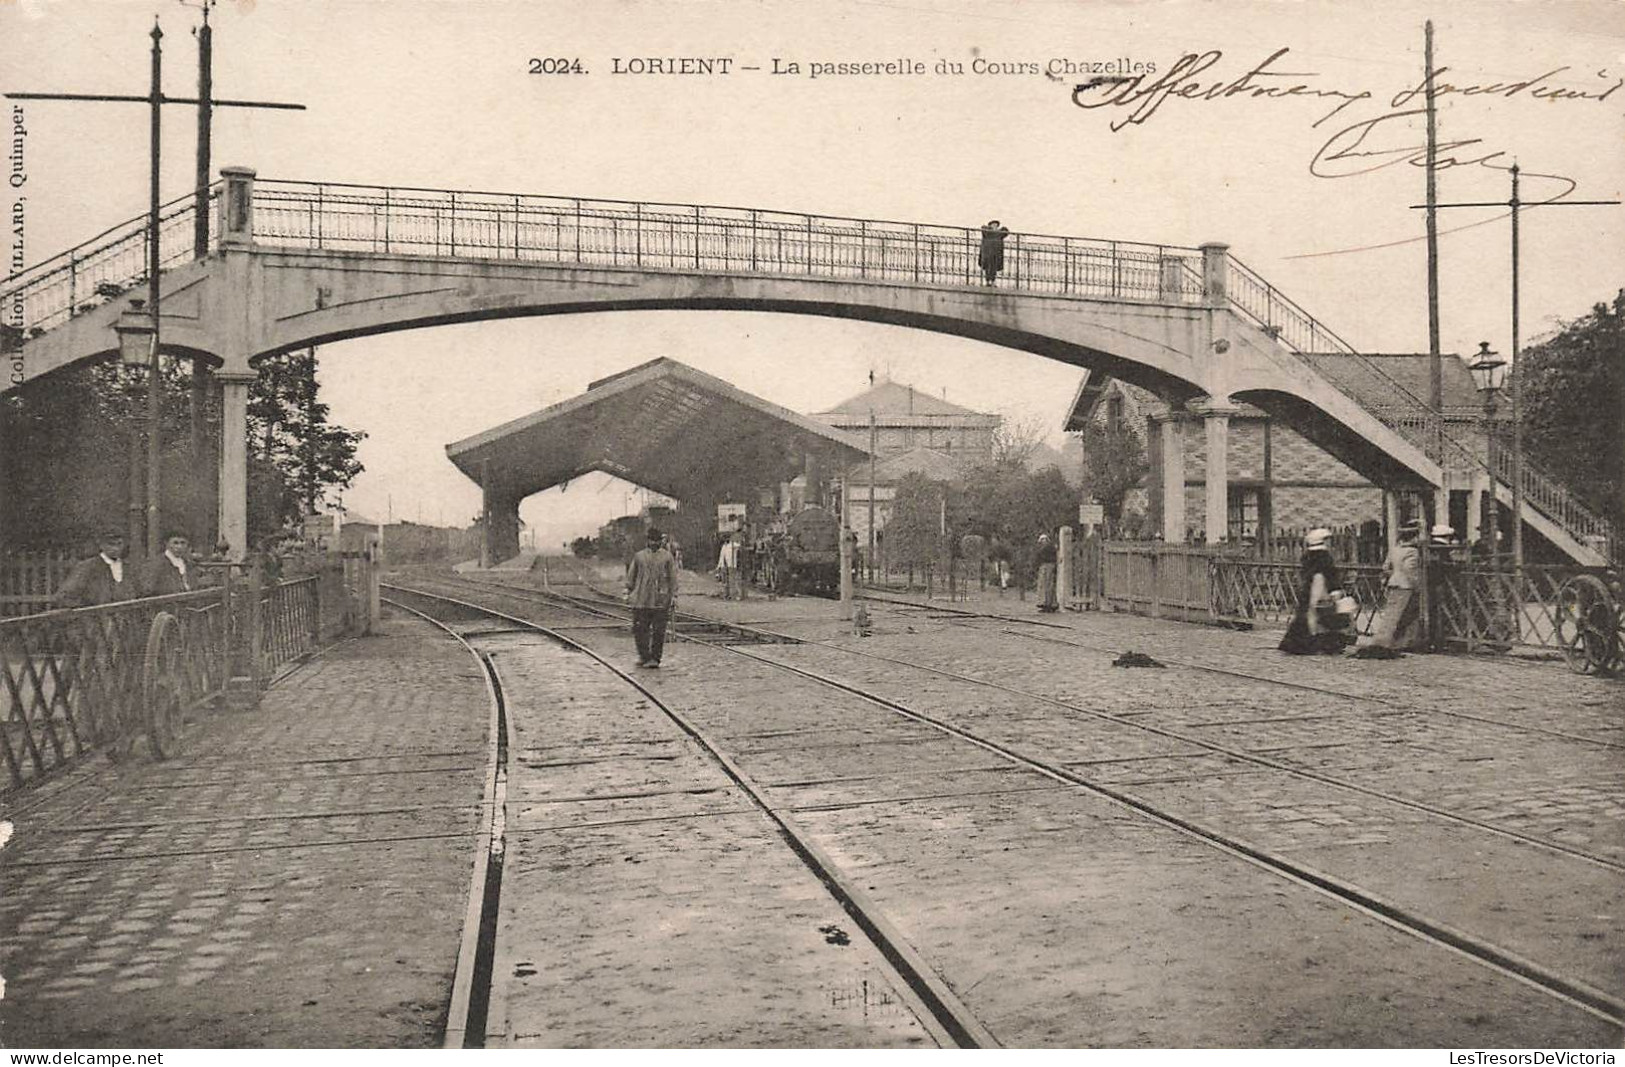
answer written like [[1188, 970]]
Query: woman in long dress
[[1309, 633], [1396, 625]]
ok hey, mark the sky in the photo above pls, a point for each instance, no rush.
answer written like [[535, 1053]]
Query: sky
[[438, 94]]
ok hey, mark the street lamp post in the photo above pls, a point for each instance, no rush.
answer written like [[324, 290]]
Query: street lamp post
[[1489, 373], [136, 344]]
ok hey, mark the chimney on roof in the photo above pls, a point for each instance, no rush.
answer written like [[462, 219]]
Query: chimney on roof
[[911, 400]]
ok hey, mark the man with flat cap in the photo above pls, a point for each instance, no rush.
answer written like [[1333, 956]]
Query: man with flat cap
[[651, 588], [101, 579]]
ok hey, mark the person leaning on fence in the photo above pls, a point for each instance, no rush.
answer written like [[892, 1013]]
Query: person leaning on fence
[[1317, 626], [101, 579], [651, 588], [173, 571], [1044, 557], [1395, 627]]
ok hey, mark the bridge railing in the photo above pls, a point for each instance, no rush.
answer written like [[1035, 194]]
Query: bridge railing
[[89, 274], [695, 237]]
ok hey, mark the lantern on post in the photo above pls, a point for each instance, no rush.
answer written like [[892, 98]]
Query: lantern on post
[[136, 335], [1489, 375]]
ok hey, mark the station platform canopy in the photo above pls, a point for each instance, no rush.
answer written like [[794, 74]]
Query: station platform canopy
[[662, 425]]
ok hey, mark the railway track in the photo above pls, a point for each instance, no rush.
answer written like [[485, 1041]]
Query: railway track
[[605, 606], [953, 613], [479, 982], [1576, 992]]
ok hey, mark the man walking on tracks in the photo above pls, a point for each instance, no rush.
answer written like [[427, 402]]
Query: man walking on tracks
[[651, 588]]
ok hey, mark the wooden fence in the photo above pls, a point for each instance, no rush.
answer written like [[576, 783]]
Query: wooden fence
[[28, 580]]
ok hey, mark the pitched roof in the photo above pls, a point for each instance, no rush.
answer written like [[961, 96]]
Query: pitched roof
[[895, 398], [1375, 379], [937, 466]]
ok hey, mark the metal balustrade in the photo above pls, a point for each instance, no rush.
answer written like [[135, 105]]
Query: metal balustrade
[[694, 237], [1250, 591]]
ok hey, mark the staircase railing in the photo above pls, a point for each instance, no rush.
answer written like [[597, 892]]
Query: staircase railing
[[1409, 414], [89, 274]]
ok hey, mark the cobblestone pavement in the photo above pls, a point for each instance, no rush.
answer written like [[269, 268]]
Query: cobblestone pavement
[[297, 877], [646, 901], [1548, 906], [1061, 918]]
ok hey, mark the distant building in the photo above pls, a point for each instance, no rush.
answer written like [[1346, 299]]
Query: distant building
[[906, 418], [914, 433]]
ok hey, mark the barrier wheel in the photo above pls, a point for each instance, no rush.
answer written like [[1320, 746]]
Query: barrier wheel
[[1587, 625], [163, 685]]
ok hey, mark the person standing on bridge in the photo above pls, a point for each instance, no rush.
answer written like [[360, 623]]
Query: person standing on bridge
[[991, 259], [651, 588]]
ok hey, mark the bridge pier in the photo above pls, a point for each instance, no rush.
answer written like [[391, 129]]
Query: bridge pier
[[1173, 480], [1216, 510], [233, 514], [238, 312]]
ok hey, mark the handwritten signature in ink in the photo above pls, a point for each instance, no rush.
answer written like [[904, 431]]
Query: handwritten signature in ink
[[1362, 147]]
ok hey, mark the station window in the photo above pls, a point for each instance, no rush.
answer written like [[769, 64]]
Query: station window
[[1244, 506], [1114, 412]]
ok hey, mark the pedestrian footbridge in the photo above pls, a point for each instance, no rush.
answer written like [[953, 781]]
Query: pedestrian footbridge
[[294, 263]]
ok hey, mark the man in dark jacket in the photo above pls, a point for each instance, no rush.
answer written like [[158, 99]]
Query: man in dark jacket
[[651, 588], [171, 572], [101, 579]]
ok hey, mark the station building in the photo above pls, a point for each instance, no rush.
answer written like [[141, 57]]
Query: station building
[[1278, 480]]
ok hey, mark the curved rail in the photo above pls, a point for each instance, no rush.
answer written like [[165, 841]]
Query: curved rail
[[937, 1003]]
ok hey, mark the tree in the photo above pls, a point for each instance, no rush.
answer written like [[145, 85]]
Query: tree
[[68, 448], [1573, 406], [1015, 441], [1113, 464], [914, 528], [291, 427]]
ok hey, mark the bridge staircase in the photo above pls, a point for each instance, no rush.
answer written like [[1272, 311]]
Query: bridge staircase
[[575, 232]]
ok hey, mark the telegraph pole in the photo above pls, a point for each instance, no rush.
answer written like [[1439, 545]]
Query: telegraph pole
[[871, 495], [1435, 434], [155, 397], [155, 99], [1514, 371]]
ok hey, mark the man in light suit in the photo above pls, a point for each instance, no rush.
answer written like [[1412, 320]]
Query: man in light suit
[[172, 572], [102, 578]]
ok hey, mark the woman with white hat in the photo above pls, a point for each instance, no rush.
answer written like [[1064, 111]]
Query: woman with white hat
[[1316, 628], [1395, 626]]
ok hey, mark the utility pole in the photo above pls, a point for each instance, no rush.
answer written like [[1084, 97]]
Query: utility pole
[[1514, 370], [155, 396], [155, 99], [205, 465], [1435, 431], [871, 495]]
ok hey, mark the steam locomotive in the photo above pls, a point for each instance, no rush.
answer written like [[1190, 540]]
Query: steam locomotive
[[812, 553]]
